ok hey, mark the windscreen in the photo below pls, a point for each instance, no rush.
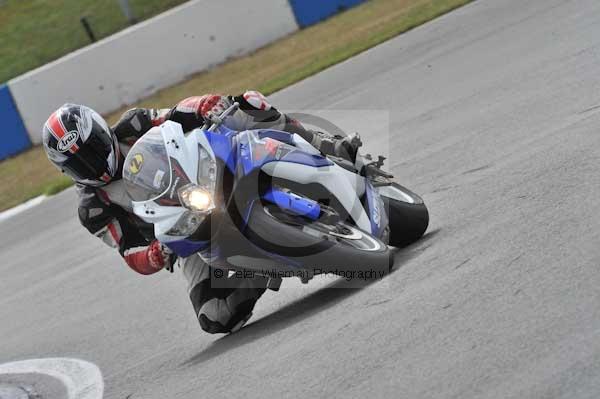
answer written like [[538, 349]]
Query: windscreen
[[147, 168]]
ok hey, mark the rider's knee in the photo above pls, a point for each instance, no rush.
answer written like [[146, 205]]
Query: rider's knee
[[216, 317]]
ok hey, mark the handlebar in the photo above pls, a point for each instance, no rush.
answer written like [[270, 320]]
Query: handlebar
[[217, 120]]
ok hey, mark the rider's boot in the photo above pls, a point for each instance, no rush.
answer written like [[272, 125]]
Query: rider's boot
[[328, 144], [338, 146], [347, 147]]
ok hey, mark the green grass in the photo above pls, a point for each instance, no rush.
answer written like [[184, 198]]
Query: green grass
[[35, 32], [57, 185], [269, 69]]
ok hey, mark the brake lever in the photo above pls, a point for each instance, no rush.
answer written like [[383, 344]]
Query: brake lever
[[374, 167]]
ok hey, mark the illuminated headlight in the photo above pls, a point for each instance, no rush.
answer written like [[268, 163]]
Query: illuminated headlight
[[196, 198]]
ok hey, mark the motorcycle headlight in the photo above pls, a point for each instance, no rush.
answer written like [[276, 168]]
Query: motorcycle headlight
[[200, 203], [196, 198], [187, 224]]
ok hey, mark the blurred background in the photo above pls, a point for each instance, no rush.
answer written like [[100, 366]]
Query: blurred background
[[116, 54], [35, 32]]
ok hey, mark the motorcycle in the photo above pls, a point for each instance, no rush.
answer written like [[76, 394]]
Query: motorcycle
[[268, 202]]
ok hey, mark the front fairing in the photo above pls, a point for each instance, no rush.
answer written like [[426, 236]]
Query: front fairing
[[147, 168], [155, 178]]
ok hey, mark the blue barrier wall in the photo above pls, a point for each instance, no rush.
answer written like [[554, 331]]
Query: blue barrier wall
[[14, 137], [310, 12]]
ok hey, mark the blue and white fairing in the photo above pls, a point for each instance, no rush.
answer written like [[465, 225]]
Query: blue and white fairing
[[191, 160], [183, 160]]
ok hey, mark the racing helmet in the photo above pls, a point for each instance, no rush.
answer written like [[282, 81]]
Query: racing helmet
[[79, 142]]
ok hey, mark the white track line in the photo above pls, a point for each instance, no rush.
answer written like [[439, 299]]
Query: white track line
[[82, 379], [20, 208]]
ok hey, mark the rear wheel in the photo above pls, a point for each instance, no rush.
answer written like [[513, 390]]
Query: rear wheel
[[408, 215]]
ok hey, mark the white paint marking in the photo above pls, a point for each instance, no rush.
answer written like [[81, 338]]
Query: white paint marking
[[20, 208], [12, 392], [82, 379]]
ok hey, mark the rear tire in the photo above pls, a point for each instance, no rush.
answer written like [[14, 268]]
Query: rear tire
[[408, 216]]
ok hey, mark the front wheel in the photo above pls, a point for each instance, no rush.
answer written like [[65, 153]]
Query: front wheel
[[315, 246], [408, 215]]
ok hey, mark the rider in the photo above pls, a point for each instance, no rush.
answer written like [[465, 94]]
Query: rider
[[80, 143]]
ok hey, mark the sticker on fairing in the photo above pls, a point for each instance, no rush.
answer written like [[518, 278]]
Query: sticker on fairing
[[136, 164], [158, 177]]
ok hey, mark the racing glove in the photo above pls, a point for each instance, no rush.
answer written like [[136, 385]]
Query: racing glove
[[213, 105], [150, 259]]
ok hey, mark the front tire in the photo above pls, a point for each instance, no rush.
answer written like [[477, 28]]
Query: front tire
[[301, 244], [408, 215]]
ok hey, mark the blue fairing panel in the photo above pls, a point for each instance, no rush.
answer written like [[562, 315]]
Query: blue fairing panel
[[221, 142], [256, 148], [306, 159], [185, 248], [377, 212], [294, 203], [278, 135]]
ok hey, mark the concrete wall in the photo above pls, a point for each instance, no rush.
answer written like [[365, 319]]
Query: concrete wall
[[155, 54]]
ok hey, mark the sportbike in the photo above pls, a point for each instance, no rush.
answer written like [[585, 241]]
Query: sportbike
[[267, 202]]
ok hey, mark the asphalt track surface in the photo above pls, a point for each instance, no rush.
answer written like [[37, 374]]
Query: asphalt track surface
[[495, 119]]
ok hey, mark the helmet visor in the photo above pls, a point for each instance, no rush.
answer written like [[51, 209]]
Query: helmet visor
[[94, 163]]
